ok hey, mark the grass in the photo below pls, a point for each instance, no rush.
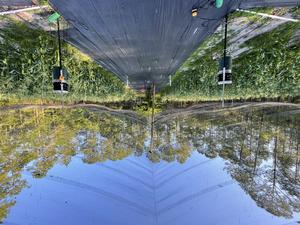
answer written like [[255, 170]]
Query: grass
[[56, 98], [200, 98]]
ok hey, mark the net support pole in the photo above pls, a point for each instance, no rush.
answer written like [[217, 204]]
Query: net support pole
[[152, 118], [60, 61], [59, 45], [223, 89], [153, 96], [224, 58]]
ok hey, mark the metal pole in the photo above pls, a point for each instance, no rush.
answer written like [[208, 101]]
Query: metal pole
[[152, 118], [153, 97], [59, 45], [62, 93], [60, 62], [223, 91], [224, 58], [225, 38]]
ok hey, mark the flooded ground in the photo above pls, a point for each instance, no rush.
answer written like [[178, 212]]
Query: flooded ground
[[197, 166]]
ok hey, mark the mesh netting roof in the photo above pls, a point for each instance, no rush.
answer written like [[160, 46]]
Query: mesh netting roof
[[146, 40]]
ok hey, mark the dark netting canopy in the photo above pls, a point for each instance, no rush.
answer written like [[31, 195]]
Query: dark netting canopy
[[146, 40]]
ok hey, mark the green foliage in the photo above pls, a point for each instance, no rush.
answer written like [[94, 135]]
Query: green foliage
[[270, 69], [28, 56]]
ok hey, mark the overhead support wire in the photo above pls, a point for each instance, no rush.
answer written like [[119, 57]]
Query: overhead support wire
[[225, 37], [225, 55]]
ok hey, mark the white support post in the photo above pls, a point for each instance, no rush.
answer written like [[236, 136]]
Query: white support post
[[268, 15], [22, 10], [223, 91], [62, 88], [127, 81]]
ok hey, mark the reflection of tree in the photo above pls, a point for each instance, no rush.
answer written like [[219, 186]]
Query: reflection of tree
[[171, 143], [43, 138], [11, 184], [260, 147]]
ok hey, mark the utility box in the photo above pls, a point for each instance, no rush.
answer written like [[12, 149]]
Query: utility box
[[60, 80], [227, 77]]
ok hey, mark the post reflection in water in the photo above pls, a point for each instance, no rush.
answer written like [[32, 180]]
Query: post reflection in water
[[80, 166]]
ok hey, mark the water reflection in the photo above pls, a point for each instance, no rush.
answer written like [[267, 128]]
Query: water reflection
[[188, 163], [261, 148]]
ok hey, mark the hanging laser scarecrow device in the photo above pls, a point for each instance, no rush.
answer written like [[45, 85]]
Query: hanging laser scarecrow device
[[217, 3], [59, 74]]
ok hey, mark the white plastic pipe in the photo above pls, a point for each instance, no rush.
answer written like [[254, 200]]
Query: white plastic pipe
[[269, 16], [22, 10], [127, 81]]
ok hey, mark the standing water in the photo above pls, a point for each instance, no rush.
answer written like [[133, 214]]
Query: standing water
[[198, 166]]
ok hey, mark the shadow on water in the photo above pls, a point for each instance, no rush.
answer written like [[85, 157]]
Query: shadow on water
[[151, 173]]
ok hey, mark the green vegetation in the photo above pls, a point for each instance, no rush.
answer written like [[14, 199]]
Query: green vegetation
[[27, 58], [50, 137], [269, 69]]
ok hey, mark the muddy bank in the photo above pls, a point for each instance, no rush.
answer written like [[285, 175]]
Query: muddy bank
[[166, 110], [216, 107], [92, 107]]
